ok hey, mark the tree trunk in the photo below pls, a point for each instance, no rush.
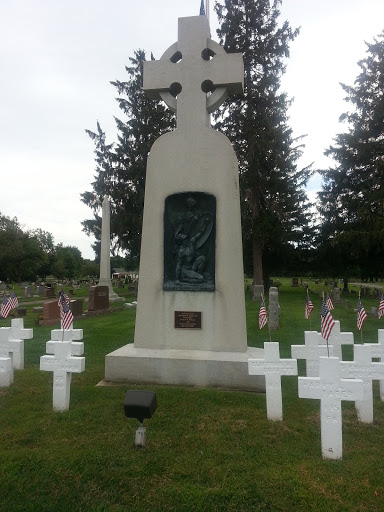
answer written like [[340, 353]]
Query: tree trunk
[[257, 253]]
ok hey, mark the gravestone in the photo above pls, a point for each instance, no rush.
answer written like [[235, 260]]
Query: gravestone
[[28, 291], [337, 339], [257, 291], [76, 306], [40, 290], [364, 369], [336, 295], [311, 352], [62, 363], [98, 298], [273, 368], [331, 390], [190, 319], [51, 311], [295, 282], [273, 308]]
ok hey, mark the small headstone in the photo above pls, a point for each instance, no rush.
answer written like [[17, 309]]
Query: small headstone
[[273, 308], [311, 351], [374, 311], [51, 311], [331, 390], [295, 282], [21, 311], [76, 306], [40, 290], [273, 368], [49, 292], [257, 292], [98, 298], [336, 296], [62, 364], [28, 291]]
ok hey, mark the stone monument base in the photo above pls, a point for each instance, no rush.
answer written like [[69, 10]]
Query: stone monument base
[[205, 369]]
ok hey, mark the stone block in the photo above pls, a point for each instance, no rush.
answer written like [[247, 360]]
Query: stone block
[[98, 298], [76, 306], [51, 311]]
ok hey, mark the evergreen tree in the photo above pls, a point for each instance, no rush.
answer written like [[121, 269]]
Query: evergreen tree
[[121, 167], [273, 198], [352, 199]]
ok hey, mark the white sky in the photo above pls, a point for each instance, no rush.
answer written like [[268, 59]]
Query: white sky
[[57, 59]]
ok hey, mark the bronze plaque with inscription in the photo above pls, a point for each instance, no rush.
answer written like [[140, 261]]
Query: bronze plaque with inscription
[[187, 319]]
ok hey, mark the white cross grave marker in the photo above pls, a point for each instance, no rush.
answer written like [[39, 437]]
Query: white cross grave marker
[[63, 364], [337, 339], [18, 333], [311, 351], [331, 390], [6, 372], [273, 368], [77, 347], [363, 368], [377, 351]]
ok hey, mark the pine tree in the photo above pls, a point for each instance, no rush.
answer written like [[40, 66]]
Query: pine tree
[[121, 166], [352, 199], [273, 198]]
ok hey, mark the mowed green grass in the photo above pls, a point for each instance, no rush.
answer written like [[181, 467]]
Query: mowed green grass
[[207, 450]]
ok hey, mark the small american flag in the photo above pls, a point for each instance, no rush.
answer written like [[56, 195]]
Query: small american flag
[[263, 320], [361, 314], [329, 302], [202, 9], [65, 313], [380, 313], [308, 308], [5, 307], [327, 321], [13, 300]]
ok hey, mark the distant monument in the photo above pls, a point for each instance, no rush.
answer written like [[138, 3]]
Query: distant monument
[[190, 320], [105, 252]]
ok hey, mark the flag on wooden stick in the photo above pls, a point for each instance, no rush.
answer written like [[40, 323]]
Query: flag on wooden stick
[[361, 314], [263, 320], [65, 313], [329, 302], [380, 313], [308, 307], [327, 321]]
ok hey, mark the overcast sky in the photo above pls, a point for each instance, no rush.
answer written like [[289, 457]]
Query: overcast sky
[[57, 59]]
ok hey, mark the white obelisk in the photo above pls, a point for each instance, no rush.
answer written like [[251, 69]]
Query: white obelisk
[[105, 251]]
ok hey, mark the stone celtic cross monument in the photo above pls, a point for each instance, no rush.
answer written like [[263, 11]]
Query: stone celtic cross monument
[[190, 319]]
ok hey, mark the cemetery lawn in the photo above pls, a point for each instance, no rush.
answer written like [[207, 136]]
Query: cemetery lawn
[[207, 450]]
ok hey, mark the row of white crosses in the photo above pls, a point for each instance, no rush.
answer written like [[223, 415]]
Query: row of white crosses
[[328, 378], [12, 350]]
